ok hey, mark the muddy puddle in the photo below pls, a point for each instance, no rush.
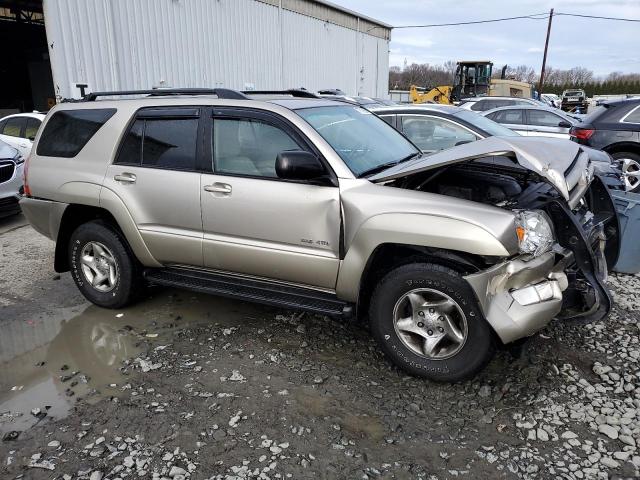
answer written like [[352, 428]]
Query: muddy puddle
[[49, 362]]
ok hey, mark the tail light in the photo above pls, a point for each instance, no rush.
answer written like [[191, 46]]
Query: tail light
[[581, 133], [27, 190]]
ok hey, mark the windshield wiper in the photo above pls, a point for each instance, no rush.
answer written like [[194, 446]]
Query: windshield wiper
[[384, 166]]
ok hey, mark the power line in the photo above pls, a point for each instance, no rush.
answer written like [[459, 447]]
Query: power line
[[598, 17], [535, 16]]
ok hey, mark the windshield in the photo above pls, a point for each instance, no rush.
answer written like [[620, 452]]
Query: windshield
[[573, 93], [363, 141], [485, 124]]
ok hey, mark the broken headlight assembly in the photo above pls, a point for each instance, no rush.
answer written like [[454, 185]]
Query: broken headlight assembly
[[535, 234]]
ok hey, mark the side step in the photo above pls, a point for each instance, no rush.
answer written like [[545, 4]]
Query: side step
[[252, 290]]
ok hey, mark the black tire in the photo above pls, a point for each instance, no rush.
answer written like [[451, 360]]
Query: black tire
[[128, 283], [633, 157], [479, 346]]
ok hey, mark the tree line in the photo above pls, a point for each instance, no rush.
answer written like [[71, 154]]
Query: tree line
[[555, 81]]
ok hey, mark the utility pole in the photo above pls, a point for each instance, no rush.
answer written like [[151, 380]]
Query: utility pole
[[544, 57]]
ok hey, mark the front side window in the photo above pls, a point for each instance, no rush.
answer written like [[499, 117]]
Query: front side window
[[432, 134], [168, 143], [248, 146], [68, 131], [362, 140], [13, 127], [513, 117], [543, 119]]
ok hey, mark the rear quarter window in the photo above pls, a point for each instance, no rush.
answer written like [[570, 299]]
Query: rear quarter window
[[68, 131]]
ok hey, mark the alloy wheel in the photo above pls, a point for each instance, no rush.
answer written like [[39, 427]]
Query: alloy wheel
[[430, 323], [631, 173], [99, 266]]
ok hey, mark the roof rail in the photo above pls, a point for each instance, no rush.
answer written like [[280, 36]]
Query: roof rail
[[161, 92], [294, 92]]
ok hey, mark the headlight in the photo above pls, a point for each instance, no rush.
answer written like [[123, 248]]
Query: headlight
[[535, 235]]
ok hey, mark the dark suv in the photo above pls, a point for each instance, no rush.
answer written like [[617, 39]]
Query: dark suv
[[615, 128]]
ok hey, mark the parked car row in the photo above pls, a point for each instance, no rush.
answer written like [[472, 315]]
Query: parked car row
[[449, 233]]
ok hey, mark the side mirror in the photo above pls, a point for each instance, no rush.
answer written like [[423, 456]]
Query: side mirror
[[299, 165], [564, 124], [31, 138]]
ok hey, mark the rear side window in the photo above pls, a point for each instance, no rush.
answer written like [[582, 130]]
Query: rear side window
[[68, 131], [33, 124], [633, 116], [13, 127], [508, 116], [157, 141], [170, 143]]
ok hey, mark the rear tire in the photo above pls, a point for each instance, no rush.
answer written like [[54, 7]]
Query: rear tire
[[630, 165], [427, 320], [104, 269]]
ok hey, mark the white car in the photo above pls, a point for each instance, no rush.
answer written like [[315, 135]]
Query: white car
[[11, 172], [20, 130], [533, 121], [482, 104]]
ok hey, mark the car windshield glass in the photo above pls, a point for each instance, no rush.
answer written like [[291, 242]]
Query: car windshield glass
[[485, 124], [363, 140], [573, 93]]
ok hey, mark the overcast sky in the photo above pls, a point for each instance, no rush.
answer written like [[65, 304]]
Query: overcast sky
[[600, 45]]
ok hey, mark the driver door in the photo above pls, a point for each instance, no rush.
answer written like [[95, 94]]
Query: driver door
[[254, 222]]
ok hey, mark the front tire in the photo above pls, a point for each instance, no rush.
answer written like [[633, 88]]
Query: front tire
[[104, 270], [427, 321]]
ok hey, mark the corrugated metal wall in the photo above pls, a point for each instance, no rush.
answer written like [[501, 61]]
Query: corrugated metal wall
[[140, 44]]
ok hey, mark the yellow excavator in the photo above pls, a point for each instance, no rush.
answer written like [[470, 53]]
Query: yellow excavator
[[472, 78]]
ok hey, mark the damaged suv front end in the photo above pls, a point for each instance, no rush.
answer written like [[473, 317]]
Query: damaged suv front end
[[565, 220]]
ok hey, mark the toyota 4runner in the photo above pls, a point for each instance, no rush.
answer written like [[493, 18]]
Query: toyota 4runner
[[317, 205]]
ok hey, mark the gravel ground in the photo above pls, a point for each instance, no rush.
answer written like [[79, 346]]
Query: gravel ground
[[189, 386]]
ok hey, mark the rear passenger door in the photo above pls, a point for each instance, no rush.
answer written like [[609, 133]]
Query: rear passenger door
[[156, 173], [256, 223], [542, 123]]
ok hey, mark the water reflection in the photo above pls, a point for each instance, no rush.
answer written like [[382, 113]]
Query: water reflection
[[53, 360]]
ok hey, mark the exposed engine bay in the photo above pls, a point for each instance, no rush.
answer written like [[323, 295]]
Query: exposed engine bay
[[586, 226]]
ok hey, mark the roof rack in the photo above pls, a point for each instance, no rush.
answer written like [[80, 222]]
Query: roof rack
[[161, 92], [294, 92]]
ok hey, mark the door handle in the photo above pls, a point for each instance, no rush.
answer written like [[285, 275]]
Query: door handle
[[223, 188], [125, 178]]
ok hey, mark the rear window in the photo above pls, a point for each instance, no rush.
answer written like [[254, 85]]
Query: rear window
[[68, 131]]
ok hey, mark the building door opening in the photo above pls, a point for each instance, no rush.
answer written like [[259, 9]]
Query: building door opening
[[26, 83]]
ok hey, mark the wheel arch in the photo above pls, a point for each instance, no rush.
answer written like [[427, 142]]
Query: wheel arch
[[618, 147], [77, 214], [388, 256]]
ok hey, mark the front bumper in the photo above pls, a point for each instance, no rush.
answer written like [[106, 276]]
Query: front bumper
[[10, 192], [520, 296]]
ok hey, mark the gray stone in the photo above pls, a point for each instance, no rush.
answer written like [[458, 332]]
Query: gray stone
[[608, 430]]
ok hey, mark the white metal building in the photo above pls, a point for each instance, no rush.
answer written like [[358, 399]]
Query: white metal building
[[240, 44]]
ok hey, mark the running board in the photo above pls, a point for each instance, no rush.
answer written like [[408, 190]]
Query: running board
[[249, 289]]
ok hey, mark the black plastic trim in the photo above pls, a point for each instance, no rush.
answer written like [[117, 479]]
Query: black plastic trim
[[249, 289]]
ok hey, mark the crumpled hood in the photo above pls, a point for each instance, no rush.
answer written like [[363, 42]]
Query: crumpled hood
[[550, 158]]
